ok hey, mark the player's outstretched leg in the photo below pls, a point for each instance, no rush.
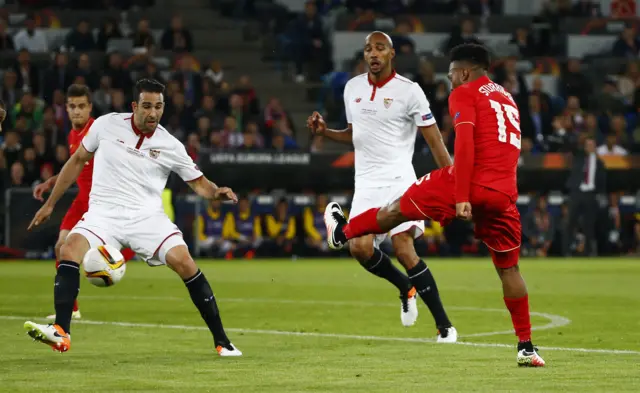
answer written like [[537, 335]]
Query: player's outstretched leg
[[65, 292], [372, 221], [516, 299], [61, 239], [423, 282], [179, 259]]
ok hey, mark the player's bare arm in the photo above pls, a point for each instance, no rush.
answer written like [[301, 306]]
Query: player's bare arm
[[40, 189], [67, 176], [433, 137], [209, 190], [318, 126]]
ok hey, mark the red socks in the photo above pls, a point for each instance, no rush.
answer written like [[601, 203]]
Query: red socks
[[363, 224], [128, 254], [519, 310]]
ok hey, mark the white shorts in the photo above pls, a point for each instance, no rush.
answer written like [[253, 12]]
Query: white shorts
[[149, 235], [367, 198]]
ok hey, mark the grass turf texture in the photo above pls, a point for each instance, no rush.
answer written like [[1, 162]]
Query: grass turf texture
[[164, 346]]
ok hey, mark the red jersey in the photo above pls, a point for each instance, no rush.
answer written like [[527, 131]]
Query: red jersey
[[487, 146], [86, 176]]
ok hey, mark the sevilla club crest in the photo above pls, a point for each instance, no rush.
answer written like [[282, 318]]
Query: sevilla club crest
[[154, 153], [388, 102]]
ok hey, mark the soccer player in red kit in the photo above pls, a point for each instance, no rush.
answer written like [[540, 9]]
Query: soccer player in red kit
[[480, 186], [79, 110]]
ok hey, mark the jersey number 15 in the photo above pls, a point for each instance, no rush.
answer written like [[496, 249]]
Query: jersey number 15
[[512, 115]]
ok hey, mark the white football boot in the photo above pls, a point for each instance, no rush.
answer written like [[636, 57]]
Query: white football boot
[[528, 357], [335, 220], [228, 351], [409, 308], [52, 335], [448, 335]]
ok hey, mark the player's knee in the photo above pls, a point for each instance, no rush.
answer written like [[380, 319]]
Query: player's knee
[[361, 250], [180, 261], [57, 249], [405, 251], [506, 262], [74, 248]]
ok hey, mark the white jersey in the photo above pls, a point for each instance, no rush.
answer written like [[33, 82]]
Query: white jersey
[[385, 117], [130, 169]]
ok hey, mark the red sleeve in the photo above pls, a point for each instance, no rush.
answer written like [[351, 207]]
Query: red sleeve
[[463, 112]]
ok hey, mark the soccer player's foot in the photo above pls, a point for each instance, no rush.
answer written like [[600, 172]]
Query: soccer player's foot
[[409, 307], [335, 220], [74, 315], [528, 355], [228, 350], [447, 335], [52, 335]]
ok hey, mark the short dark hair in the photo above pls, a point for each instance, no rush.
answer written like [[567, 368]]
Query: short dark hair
[[472, 53], [77, 90], [148, 86]]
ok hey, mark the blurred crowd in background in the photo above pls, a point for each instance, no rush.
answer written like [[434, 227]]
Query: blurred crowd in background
[[206, 108]]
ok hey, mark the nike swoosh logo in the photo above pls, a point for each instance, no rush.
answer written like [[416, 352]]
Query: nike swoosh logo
[[59, 335]]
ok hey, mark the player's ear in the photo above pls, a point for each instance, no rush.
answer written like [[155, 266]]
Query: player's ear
[[393, 53], [134, 105]]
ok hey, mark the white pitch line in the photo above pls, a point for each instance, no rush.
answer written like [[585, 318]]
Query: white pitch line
[[331, 335], [555, 321]]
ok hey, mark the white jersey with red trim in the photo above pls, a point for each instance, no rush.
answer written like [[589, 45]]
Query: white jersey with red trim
[[130, 168], [385, 117]]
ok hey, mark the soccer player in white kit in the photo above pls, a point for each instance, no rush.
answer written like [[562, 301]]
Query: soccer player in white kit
[[384, 111], [134, 156]]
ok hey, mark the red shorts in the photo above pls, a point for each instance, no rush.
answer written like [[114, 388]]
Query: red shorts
[[74, 214], [496, 217]]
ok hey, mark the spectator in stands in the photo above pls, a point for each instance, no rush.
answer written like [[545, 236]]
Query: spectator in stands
[[245, 89], [6, 41], [11, 147], [253, 129], [524, 41], [210, 232], [101, 98], [28, 74], [591, 127], [216, 140], [30, 108], [182, 110], [208, 109], [59, 108], [628, 44], [46, 173], [120, 78], [562, 138], [231, 135], [309, 40], [62, 155], [434, 238], [574, 110], [56, 77], [365, 19], [573, 82], [508, 71], [545, 99], [17, 175], [243, 228], [108, 30], [535, 124], [150, 71], [464, 33], [426, 79], [401, 40], [176, 37], [539, 228], [142, 37], [281, 142], [586, 8], [629, 80], [118, 101], [281, 230], [190, 80], [618, 128], [9, 92], [43, 152], [193, 146], [31, 167], [203, 128], [85, 70], [609, 101], [31, 39], [315, 230], [249, 142], [81, 38], [215, 73], [238, 110]]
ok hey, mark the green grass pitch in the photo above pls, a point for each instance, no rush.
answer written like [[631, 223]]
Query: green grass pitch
[[326, 326]]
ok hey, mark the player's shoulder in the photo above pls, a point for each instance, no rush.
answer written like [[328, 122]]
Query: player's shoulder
[[403, 80], [113, 118], [464, 92], [358, 81], [168, 138]]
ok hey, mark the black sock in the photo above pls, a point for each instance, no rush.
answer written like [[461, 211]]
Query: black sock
[[380, 264], [425, 284], [65, 292], [202, 297]]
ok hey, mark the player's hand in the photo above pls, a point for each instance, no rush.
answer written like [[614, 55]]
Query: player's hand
[[41, 216], [316, 124], [463, 211], [226, 194], [40, 189]]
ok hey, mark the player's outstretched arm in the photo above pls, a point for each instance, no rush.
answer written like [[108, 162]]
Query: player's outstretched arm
[[68, 174], [433, 137], [209, 190], [317, 125]]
